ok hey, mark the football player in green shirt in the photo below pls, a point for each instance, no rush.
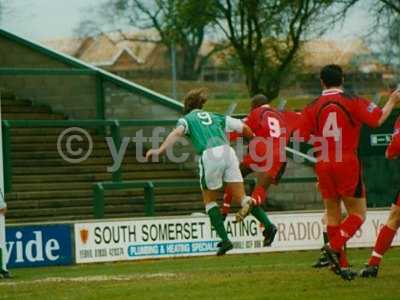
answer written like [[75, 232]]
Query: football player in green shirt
[[218, 162]]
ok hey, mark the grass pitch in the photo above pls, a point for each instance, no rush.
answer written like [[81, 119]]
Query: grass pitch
[[259, 276]]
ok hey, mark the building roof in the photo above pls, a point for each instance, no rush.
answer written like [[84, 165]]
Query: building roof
[[317, 53], [142, 49]]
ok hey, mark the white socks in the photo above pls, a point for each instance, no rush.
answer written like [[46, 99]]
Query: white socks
[[245, 200], [210, 206]]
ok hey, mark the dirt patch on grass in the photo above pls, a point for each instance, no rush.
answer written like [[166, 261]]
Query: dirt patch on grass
[[88, 279]]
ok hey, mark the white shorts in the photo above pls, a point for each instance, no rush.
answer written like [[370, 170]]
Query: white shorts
[[217, 165]]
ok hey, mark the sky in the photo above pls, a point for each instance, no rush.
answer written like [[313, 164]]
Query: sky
[[52, 19]]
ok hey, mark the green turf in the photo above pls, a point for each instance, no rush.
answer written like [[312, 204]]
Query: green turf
[[260, 276], [220, 105], [295, 103]]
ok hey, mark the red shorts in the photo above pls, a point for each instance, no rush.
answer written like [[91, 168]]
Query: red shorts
[[397, 200], [341, 179], [266, 158]]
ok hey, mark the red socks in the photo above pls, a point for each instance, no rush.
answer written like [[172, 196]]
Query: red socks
[[346, 230], [226, 206], [259, 195], [382, 244], [332, 232]]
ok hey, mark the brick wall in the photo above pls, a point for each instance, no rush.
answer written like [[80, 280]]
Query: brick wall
[[295, 196]]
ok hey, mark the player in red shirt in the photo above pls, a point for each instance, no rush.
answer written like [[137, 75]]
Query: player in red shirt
[[332, 123], [266, 158], [388, 232]]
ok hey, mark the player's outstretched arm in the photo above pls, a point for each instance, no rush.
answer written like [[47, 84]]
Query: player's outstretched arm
[[240, 128], [247, 132], [171, 139], [387, 109]]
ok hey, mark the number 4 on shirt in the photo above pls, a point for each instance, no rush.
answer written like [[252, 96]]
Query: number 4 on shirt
[[331, 128]]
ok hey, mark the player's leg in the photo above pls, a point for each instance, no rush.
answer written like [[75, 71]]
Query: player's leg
[[336, 258], [4, 273], [264, 181], [351, 188], [384, 241], [239, 196], [216, 220], [211, 173], [227, 198], [234, 180], [328, 188], [322, 261], [341, 232], [356, 209]]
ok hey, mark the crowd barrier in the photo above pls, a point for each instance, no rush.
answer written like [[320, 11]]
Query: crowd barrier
[[96, 241]]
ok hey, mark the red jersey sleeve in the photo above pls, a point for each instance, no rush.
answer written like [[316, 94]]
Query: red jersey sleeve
[[367, 112], [293, 120], [251, 120], [305, 124], [393, 150]]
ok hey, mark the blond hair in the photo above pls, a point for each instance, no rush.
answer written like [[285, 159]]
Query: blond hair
[[195, 98]]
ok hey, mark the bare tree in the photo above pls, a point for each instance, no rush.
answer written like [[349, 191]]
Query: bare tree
[[267, 36], [384, 35], [387, 13], [393, 5], [180, 24]]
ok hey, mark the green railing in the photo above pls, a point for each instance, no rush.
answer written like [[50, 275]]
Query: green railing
[[74, 66], [101, 77], [148, 187], [114, 126]]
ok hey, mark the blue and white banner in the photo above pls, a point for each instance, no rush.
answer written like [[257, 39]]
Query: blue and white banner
[[2, 200], [33, 246], [193, 236]]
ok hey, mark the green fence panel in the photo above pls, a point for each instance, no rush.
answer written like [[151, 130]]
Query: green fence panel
[[149, 198], [381, 176], [149, 186]]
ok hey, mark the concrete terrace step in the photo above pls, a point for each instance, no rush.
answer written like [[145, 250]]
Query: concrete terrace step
[[114, 200], [47, 188], [54, 186], [88, 209], [53, 146], [11, 100], [129, 161], [88, 193], [31, 169], [55, 218], [32, 116], [46, 212], [38, 131], [26, 153], [24, 109], [83, 185], [49, 139], [99, 176]]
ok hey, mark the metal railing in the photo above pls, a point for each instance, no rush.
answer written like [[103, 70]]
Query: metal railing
[[114, 126], [74, 66], [148, 187], [101, 77]]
